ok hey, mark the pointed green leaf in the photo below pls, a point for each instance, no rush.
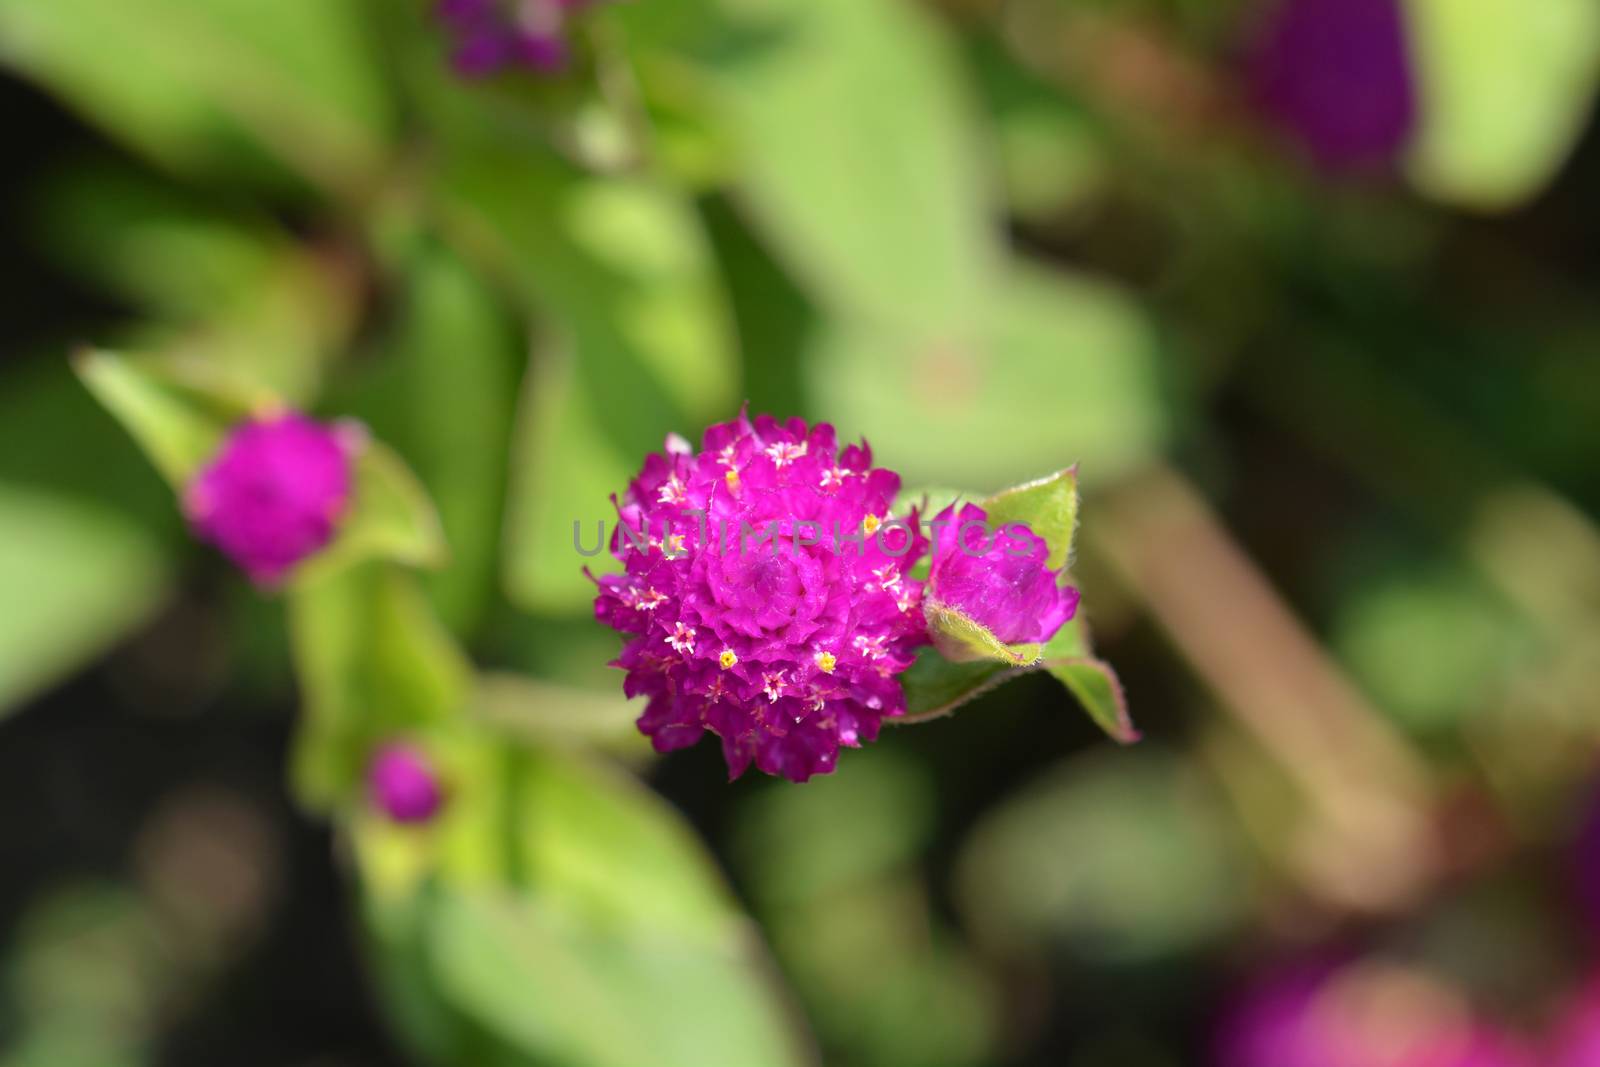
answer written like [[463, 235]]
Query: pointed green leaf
[[176, 433], [1049, 507], [1092, 681], [936, 686]]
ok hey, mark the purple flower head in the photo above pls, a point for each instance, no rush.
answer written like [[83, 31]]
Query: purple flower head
[[766, 596], [1337, 75], [998, 577], [403, 785], [275, 492], [491, 36], [1362, 1014]]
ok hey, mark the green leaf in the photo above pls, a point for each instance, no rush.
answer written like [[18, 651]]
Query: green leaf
[[190, 82], [604, 907], [936, 686], [962, 639], [1507, 87], [1048, 506], [859, 160], [1068, 658], [76, 576], [176, 433], [391, 518], [443, 389], [1065, 366], [372, 662]]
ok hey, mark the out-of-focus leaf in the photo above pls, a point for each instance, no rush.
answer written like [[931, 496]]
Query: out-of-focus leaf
[[834, 871], [1067, 367], [1432, 645], [149, 241], [372, 661], [175, 432], [191, 83], [528, 706], [444, 392], [565, 470], [391, 518], [1121, 856], [858, 157], [1506, 89], [639, 342], [554, 898], [1048, 506], [75, 576]]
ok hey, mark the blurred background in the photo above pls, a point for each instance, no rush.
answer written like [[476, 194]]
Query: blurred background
[[1309, 288]]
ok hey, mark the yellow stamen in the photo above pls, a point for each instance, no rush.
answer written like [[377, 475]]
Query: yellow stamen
[[827, 661], [870, 524], [728, 658], [732, 478]]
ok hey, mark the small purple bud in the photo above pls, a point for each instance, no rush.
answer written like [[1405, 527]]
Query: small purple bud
[[274, 493], [998, 577], [402, 784], [1337, 76]]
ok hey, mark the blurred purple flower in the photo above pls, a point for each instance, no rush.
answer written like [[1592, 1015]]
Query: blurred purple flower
[[491, 36], [998, 577], [784, 648], [403, 785], [275, 492], [1362, 1014], [1585, 861], [1337, 75], [1575, 1041]]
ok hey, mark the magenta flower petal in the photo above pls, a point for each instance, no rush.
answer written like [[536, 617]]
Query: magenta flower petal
[[403, 785], [274, 494], [785, 648], [998, 577], [1337, 75]]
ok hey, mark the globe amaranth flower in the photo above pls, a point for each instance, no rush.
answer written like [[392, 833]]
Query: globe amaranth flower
[[491, 36], [403, 785], [274, 493], [1337, 76], [767, 595], [1365, 1013], [998, 577]]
